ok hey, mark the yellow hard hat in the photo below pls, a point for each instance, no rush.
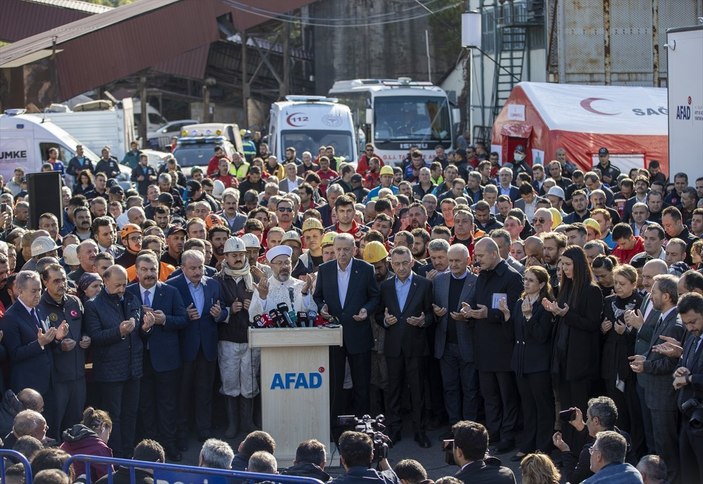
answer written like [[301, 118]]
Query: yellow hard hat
[[328, 239], [386, 170], [374, 252], [556, 217], [311, 224]]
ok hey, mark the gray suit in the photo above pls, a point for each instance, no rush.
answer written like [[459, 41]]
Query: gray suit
[[456, 361], [660, 396], [642, 345]]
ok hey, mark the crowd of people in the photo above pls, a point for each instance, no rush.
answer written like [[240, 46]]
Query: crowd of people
[[560, 308]]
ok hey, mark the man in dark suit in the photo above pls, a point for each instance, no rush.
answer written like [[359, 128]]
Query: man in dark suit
[[347, 290], [111, 319], [198, 344], [505, 186], [158, 402], [654, 374], [29, 338], [469, 449], [643, 320], [493, 348], [688, 380], [405, 311], [68, 371], [454, 338]]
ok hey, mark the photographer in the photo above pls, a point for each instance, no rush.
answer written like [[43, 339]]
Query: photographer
[[601, 415], [357, 453], [688, 380], [310, 460], [469, 451]]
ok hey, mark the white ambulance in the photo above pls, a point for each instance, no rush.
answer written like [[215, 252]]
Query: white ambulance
[[308, 122]]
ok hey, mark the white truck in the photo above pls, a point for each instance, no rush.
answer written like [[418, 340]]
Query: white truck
[[25, 140], [113, 127], [685, 90], [308, 122]]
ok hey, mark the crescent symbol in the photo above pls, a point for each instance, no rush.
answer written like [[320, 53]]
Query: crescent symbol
[[587, 105]]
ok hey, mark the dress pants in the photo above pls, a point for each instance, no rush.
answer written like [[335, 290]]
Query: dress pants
[[196, 393], [538, 412], [460, 381], [629, 412], [360, 366], [501, 401], [647, 421], [666, 440], [121, 400], [406, 371], [691, 454], [69, 403], [158, 403]]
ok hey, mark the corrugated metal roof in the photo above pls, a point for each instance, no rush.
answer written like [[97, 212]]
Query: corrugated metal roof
[[86, 7], [172, 36], [21, 19]]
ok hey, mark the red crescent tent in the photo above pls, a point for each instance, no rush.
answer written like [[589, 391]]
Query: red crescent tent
[[631, 122]]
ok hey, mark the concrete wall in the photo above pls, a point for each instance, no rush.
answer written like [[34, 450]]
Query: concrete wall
[[376, 51]]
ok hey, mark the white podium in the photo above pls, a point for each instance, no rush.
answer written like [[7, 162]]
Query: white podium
[[295, 384]]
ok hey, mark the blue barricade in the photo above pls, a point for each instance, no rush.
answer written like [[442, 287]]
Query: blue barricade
[[180, 474], [16, 457]]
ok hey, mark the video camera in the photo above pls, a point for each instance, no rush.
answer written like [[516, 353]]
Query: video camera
[[373, 427], [692, 409]]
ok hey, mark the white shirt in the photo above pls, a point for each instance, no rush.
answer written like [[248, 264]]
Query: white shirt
[[343, 277], [292, 185]]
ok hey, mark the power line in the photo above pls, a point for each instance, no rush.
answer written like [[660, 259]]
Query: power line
[[342, 22]]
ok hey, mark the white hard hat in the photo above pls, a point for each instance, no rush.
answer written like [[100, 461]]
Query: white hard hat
[[70, 255], [235, 244], [251, 241], [42, 245], [218, 189]]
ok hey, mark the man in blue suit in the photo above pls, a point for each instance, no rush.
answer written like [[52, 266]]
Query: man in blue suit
[[158, 403], [29, 339], [347, 290], [202, 298]]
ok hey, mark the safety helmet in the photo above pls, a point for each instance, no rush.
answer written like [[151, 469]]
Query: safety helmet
[[374, 252], [129, 229]]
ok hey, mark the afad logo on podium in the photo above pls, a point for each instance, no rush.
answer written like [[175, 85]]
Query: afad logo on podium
[[297, 381]]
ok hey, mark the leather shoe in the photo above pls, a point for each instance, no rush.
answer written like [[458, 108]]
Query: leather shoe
[[504, 446], [422, 440], [173, 455]]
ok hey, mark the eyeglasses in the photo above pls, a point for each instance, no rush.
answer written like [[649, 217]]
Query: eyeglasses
[[540, 220], [284, 209], [593, 449]]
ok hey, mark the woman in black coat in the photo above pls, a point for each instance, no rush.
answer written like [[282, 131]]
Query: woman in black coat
[[530, 325], [618, 345], [576, 351]]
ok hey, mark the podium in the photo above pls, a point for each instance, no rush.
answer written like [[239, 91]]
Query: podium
[[295, 384]]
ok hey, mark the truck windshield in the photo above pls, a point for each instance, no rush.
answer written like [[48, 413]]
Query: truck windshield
[[194, 154], [411, 118], [311, 140]]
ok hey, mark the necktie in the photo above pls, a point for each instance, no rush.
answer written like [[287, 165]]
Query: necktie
[[147, 299], [658, 325], [37, 321]]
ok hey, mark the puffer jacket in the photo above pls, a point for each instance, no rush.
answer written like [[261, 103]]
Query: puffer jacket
[[114, 358]]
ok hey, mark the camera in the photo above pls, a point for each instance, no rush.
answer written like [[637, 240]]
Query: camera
[[448, 449], [693, 411], [373, 427]]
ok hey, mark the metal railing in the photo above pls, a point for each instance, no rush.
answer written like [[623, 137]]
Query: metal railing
[[175, 473], [18, 458]]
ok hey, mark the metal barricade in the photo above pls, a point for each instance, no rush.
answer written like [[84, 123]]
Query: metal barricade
[[176, 473], [17, 458]]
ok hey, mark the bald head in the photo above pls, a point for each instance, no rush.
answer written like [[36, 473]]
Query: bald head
[[486, 254], [652, 268], [31, 400]]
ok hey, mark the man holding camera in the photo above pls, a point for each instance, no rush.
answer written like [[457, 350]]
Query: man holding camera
[[469, 451], [688, 380], [356, 452]]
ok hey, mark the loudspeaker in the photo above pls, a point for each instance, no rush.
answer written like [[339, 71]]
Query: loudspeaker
[[44, 191]]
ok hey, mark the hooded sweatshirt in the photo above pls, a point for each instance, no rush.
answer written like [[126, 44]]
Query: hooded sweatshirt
[[80, 439]]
